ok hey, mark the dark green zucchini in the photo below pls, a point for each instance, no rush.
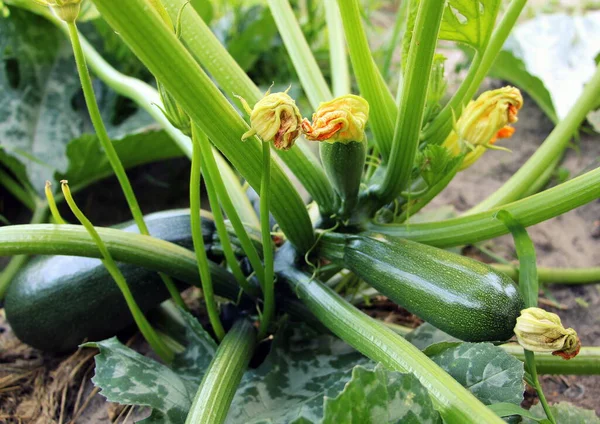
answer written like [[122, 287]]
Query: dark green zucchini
[[463, 297], [56, 302]]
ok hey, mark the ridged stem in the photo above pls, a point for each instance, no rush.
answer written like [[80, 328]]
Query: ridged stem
[[407, 132], [556, 275], [439, 129], [207, 287], [219, 384], [213, 198], [482, 226], [40, 214], [265, 231]]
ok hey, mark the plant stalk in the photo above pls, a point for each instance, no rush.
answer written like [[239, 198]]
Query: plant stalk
[[144, 326], [205, 277], [17, 190], [265, 231], [412, 102], [437, 132], [370, 82], [109, 149], [482, 226], [137, 249], [40, 214], [165, 56], [219, 384], [337, 50], [556, 275]]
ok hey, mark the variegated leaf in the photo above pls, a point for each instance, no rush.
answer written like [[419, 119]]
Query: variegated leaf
[[380, 396], [490, 373]]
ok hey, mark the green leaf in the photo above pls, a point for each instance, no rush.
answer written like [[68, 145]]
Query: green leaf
[[490, 373], [560, 50], [290, 385], [199, 351], [88, 163], [381, 396], [41, 108], [128, 378], [565, 413], [512, 69], [470, 22], [436, 162], [426, 335], [510, 409]]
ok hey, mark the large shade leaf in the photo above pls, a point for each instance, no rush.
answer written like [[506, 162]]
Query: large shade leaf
[[290, 385], [128, 378], [565, 413], [380, 396], [41, 106], [490, 373], [88, 163], [469, 21]]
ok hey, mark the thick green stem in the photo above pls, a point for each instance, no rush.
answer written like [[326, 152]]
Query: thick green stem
[[372, 87], [109, 149], [412, 102], [482, 226], [546, 154], [199, 248], [556, 275], [213, 172], [165, 56], [144, 326], [17, 190], [213, 198], [337, 50], [137, 249], [304, 61], [40, 214], [437, 132], [219, 384], [265, 231], [529, 287], [373, 339], [531, 367], [212, 55]]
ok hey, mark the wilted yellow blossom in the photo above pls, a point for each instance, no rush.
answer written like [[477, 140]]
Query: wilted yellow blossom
[[274, 118], [342, 119], [541, 331], [484, 121], [66, 10]]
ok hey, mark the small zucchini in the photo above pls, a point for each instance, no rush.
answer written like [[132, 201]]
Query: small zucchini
[[56, 302], [463, 297]]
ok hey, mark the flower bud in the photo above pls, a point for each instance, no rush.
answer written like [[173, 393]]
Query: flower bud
[[483, 122], [274, 118], [173, 112], [342, 119], [541, 331], [66, 10]]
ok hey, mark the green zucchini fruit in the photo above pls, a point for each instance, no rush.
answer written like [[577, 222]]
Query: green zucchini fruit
[[56, 302], [461, 296], [344, 163]]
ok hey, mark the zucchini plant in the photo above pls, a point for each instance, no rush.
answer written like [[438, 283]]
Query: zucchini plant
[[383, 155]]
